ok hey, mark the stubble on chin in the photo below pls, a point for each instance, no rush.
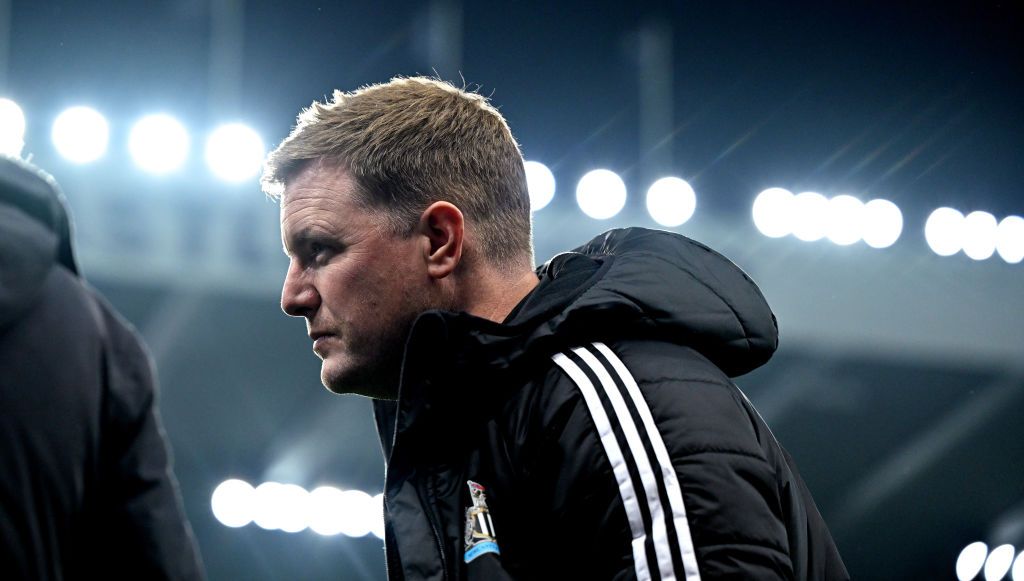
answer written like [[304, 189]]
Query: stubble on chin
[[377, 378], [374, 369]]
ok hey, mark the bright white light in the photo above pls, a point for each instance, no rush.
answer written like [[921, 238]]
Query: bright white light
[[234, 152], [979, 239], [274, 506], [1010, 241], [326, 516], [351, 512], [601, 194], [541, 183], [158, 143], [378, 521], [268, 506], [232, 503], [773, 212], [12, 128], [671, 201], [971, 560], [359, 513], [844, 220], [1017, 573], [883, 223], [944, 231], [998, 562], [810, 212], [294, 510], [80, 134]]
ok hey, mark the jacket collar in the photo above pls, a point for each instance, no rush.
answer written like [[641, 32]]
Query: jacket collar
[[458, 366]]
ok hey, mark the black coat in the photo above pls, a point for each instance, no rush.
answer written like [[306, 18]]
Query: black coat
[[602, 428], [86, 490]]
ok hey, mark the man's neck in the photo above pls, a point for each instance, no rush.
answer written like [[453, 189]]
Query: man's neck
[[495, 296]]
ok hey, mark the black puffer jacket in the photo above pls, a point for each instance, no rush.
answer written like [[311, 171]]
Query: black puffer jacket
[[86, 490], [596, 434]]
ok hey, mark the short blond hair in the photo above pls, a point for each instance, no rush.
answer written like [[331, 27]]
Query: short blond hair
[[411, 142]]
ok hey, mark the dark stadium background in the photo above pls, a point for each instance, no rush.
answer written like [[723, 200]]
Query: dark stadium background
[[899, 384]]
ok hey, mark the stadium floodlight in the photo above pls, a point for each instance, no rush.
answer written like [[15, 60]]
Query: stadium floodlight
[[232, 503], [883, 223], [773, 212], [1017, 573], [293, 506], [979, 235], [12, 128], [1010, 241], [944, 231], [326, 510], [601, 194], [971, 560], [810, 212], [268, 506], [158, 143], [998, 563], [671, 201], [541, 184], [80, 134], [234, 152], [360, 513], [844, 220]]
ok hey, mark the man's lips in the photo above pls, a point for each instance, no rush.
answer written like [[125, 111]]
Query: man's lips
[[319, 339]]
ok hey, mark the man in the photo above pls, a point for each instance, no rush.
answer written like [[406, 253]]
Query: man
[[86, 490], [577, 422]]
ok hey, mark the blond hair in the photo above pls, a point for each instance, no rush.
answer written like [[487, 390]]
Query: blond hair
[[411, 142]]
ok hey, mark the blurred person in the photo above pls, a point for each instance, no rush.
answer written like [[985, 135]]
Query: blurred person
[[86, 488], [577, 421]]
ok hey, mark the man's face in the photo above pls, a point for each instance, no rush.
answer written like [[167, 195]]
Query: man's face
[[359, 290]]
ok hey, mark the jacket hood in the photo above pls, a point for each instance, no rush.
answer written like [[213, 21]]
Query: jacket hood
[[656, 283], [35, 235]]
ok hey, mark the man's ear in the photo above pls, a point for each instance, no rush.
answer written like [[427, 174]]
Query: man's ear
[[444, 229]]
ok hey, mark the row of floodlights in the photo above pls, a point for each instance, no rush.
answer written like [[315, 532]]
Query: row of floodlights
[[996, 563], [290, 508], [158, 143], [977, 234], [601, 194], [845, 220], [807, 216]]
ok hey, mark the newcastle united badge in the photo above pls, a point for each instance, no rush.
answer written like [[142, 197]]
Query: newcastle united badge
[[480, 536]]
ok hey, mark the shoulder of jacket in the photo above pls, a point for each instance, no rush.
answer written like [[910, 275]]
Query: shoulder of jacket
[[645, 360], [710, 413]]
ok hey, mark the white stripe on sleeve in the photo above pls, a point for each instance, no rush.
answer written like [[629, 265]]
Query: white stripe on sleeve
[[659, 532], [675, 494], [618, 462]]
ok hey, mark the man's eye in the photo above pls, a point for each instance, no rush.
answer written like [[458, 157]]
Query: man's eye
[[320, 252]]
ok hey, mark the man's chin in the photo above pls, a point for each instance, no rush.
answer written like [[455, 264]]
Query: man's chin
[[341, 380]]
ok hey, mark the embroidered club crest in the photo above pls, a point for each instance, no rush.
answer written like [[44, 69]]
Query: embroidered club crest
[[480, 537]]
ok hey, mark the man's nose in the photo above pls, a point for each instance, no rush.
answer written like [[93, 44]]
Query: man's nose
[[299, 297]]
